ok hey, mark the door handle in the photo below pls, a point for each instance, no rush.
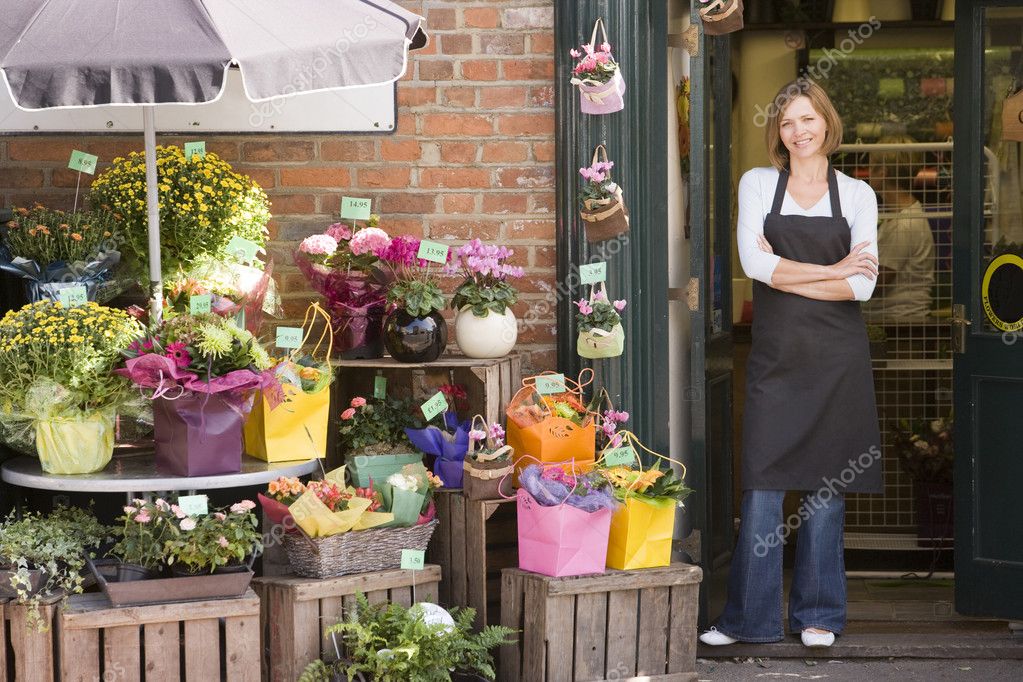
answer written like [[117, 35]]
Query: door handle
[[959, 325]]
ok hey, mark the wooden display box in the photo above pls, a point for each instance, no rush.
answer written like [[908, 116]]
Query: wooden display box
[[474, 541], [294, 612], [26, 654], [189, 641], [618, 625]]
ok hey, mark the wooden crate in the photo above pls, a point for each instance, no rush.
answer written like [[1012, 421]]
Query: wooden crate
[[474, 541], [190, 641], [26, 653], [619, 625], [294, 611]]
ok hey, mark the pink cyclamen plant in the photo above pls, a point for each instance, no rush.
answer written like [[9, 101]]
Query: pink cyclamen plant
[[595, 64]]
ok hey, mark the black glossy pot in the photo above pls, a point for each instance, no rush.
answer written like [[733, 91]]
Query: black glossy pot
[[131, 572], [415, 339]]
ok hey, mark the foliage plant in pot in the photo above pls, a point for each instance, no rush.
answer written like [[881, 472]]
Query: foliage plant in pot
[[341, 264], [225, 541], [424, 643], [926, 451], [144, 529], [485, 326], [58, 394], [414, 330], [373, 439]]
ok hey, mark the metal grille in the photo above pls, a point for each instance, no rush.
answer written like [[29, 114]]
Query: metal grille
[[908, 317]]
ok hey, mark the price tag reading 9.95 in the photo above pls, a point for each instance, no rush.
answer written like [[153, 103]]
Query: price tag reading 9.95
[[289, 337], [620, 457], [433, 252], [550, 383]]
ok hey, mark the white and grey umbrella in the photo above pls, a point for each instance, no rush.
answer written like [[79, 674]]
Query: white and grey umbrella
[[84, 53]]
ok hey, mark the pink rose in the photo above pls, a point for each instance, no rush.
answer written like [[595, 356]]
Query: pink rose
[[143, 517], [219, 516], [222, 541], [358, 402], [188, 524], [178, 511], [605, 46], [130, 510], [348, 414], [242, 507], [318, 245], [368, 240]]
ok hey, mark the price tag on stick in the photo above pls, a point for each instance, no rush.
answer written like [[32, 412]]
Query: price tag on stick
[[243, 249], [353, 208], [592, 273], [550, 383], [80, 161], [434, 406], [200, 304], [193, 148], [72, 297], [379, 387], [194, 505], [412, 559], [289, 337], [617, 457], [433, 252]]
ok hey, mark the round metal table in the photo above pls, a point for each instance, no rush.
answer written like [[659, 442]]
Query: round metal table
[[137, 473]]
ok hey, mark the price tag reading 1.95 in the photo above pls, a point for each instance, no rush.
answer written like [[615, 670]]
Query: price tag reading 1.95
[[591, 273], [434, 406], [550, 383], [289, 337], [353, 208], [433, 252], [617, 457], [412, 559]]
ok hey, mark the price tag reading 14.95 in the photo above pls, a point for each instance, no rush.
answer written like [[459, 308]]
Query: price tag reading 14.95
[[353, 208], [433, 252]]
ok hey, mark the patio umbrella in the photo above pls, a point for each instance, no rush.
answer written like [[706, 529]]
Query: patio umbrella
[[83, 53]]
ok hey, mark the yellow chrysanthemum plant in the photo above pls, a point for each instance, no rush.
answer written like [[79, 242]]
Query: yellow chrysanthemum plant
[[58, 395], [204, 203]]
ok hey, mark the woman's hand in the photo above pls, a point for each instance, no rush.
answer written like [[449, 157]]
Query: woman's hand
[[764, 245], [858, 262]]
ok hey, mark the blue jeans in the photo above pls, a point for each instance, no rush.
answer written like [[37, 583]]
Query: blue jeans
[[753, 612]]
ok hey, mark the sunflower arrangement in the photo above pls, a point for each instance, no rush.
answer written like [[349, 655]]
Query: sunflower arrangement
[[652, 484], [204, 203]]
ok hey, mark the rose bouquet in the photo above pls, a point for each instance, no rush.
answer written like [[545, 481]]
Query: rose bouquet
[[485, 326], [600, 325], [58, 397], [341, 264], [597, 76], [224, 541], [54, 250], [199, 370]]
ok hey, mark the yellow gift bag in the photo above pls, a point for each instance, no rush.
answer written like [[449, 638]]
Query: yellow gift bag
[[75, 446], [643, 527], [293, 426]]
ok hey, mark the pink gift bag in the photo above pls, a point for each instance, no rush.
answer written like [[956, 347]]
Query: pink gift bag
[[562, 540], [598, 94]]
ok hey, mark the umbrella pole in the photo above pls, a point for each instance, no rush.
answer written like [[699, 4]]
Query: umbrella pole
[[153, 206]]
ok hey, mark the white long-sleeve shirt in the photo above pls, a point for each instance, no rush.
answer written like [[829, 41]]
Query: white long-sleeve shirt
[[756, 194]]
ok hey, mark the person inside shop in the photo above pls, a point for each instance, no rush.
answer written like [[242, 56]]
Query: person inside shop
[[905, 274], [807, 236]]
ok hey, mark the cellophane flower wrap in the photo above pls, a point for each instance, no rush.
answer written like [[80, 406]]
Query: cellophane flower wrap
[[54, 250], [238, 290], [55, 368], [552, 485], [445, 445]]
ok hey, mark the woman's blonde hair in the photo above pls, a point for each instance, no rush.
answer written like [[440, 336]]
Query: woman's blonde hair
[[801, 87]]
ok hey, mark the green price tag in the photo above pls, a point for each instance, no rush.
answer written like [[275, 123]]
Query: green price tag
[[379, 387], [193, 148], [243, 249], [353, 208], [591, 273], [194, 505], [433, 252], [200, 304], [550, 383], [623, 456], [73, 296], [413, 559], [80, 161], [434, 406], [289, 337]]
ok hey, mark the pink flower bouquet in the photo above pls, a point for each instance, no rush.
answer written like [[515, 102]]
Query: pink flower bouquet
[[596, 74]]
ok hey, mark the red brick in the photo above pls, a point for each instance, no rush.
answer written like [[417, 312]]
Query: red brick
[[502, 43], [498, 204], [528, 17], [529, 229], [403, 202], [541, 43], [527, 177], [456, 124], [458, 152], [392, 176], [264, 177], [503, 97], [329, 204], [464, 229], [456, 43], [227, 150], [17, 178], [440, 20], [348, 150], [541, 360], [543, 151], [529, 69], [410, 227], [542, 202], [542, 96], [545, 256], [437, 70], [400, 150], [460, 96], [42, 150], [536, 283], [65, 177], [406, 124], [284, 204], [459, 203], [409, 96], [505, 151], [481, 17], [479, 70], [278, 151], [315, 177], [429, 49], [539, 332], [526, 124], [454, 178]]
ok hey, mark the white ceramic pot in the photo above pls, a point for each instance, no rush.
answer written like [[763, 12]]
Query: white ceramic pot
[[492, 336]]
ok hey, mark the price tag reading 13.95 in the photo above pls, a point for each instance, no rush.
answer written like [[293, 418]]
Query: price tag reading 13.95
[[73, 296], [433, 252]]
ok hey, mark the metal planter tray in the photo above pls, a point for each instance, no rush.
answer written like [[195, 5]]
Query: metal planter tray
[[168, 590]]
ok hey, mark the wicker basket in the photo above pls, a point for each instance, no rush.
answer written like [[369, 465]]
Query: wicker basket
[[358, 551]]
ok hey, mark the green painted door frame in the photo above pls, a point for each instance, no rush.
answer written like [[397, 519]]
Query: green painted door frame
[[636, 140]]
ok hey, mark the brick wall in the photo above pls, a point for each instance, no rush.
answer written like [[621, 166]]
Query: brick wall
[[472, 156]]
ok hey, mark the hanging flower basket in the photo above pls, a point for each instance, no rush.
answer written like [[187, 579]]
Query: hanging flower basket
[[596, 74], [603, 205]]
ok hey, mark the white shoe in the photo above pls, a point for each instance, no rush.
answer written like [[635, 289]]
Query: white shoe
[[815, 639], [715, 638]]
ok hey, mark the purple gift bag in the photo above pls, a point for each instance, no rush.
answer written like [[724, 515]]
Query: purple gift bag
[[199, 434]]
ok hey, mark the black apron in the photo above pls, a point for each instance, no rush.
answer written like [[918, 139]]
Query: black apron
[[810, 416]]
